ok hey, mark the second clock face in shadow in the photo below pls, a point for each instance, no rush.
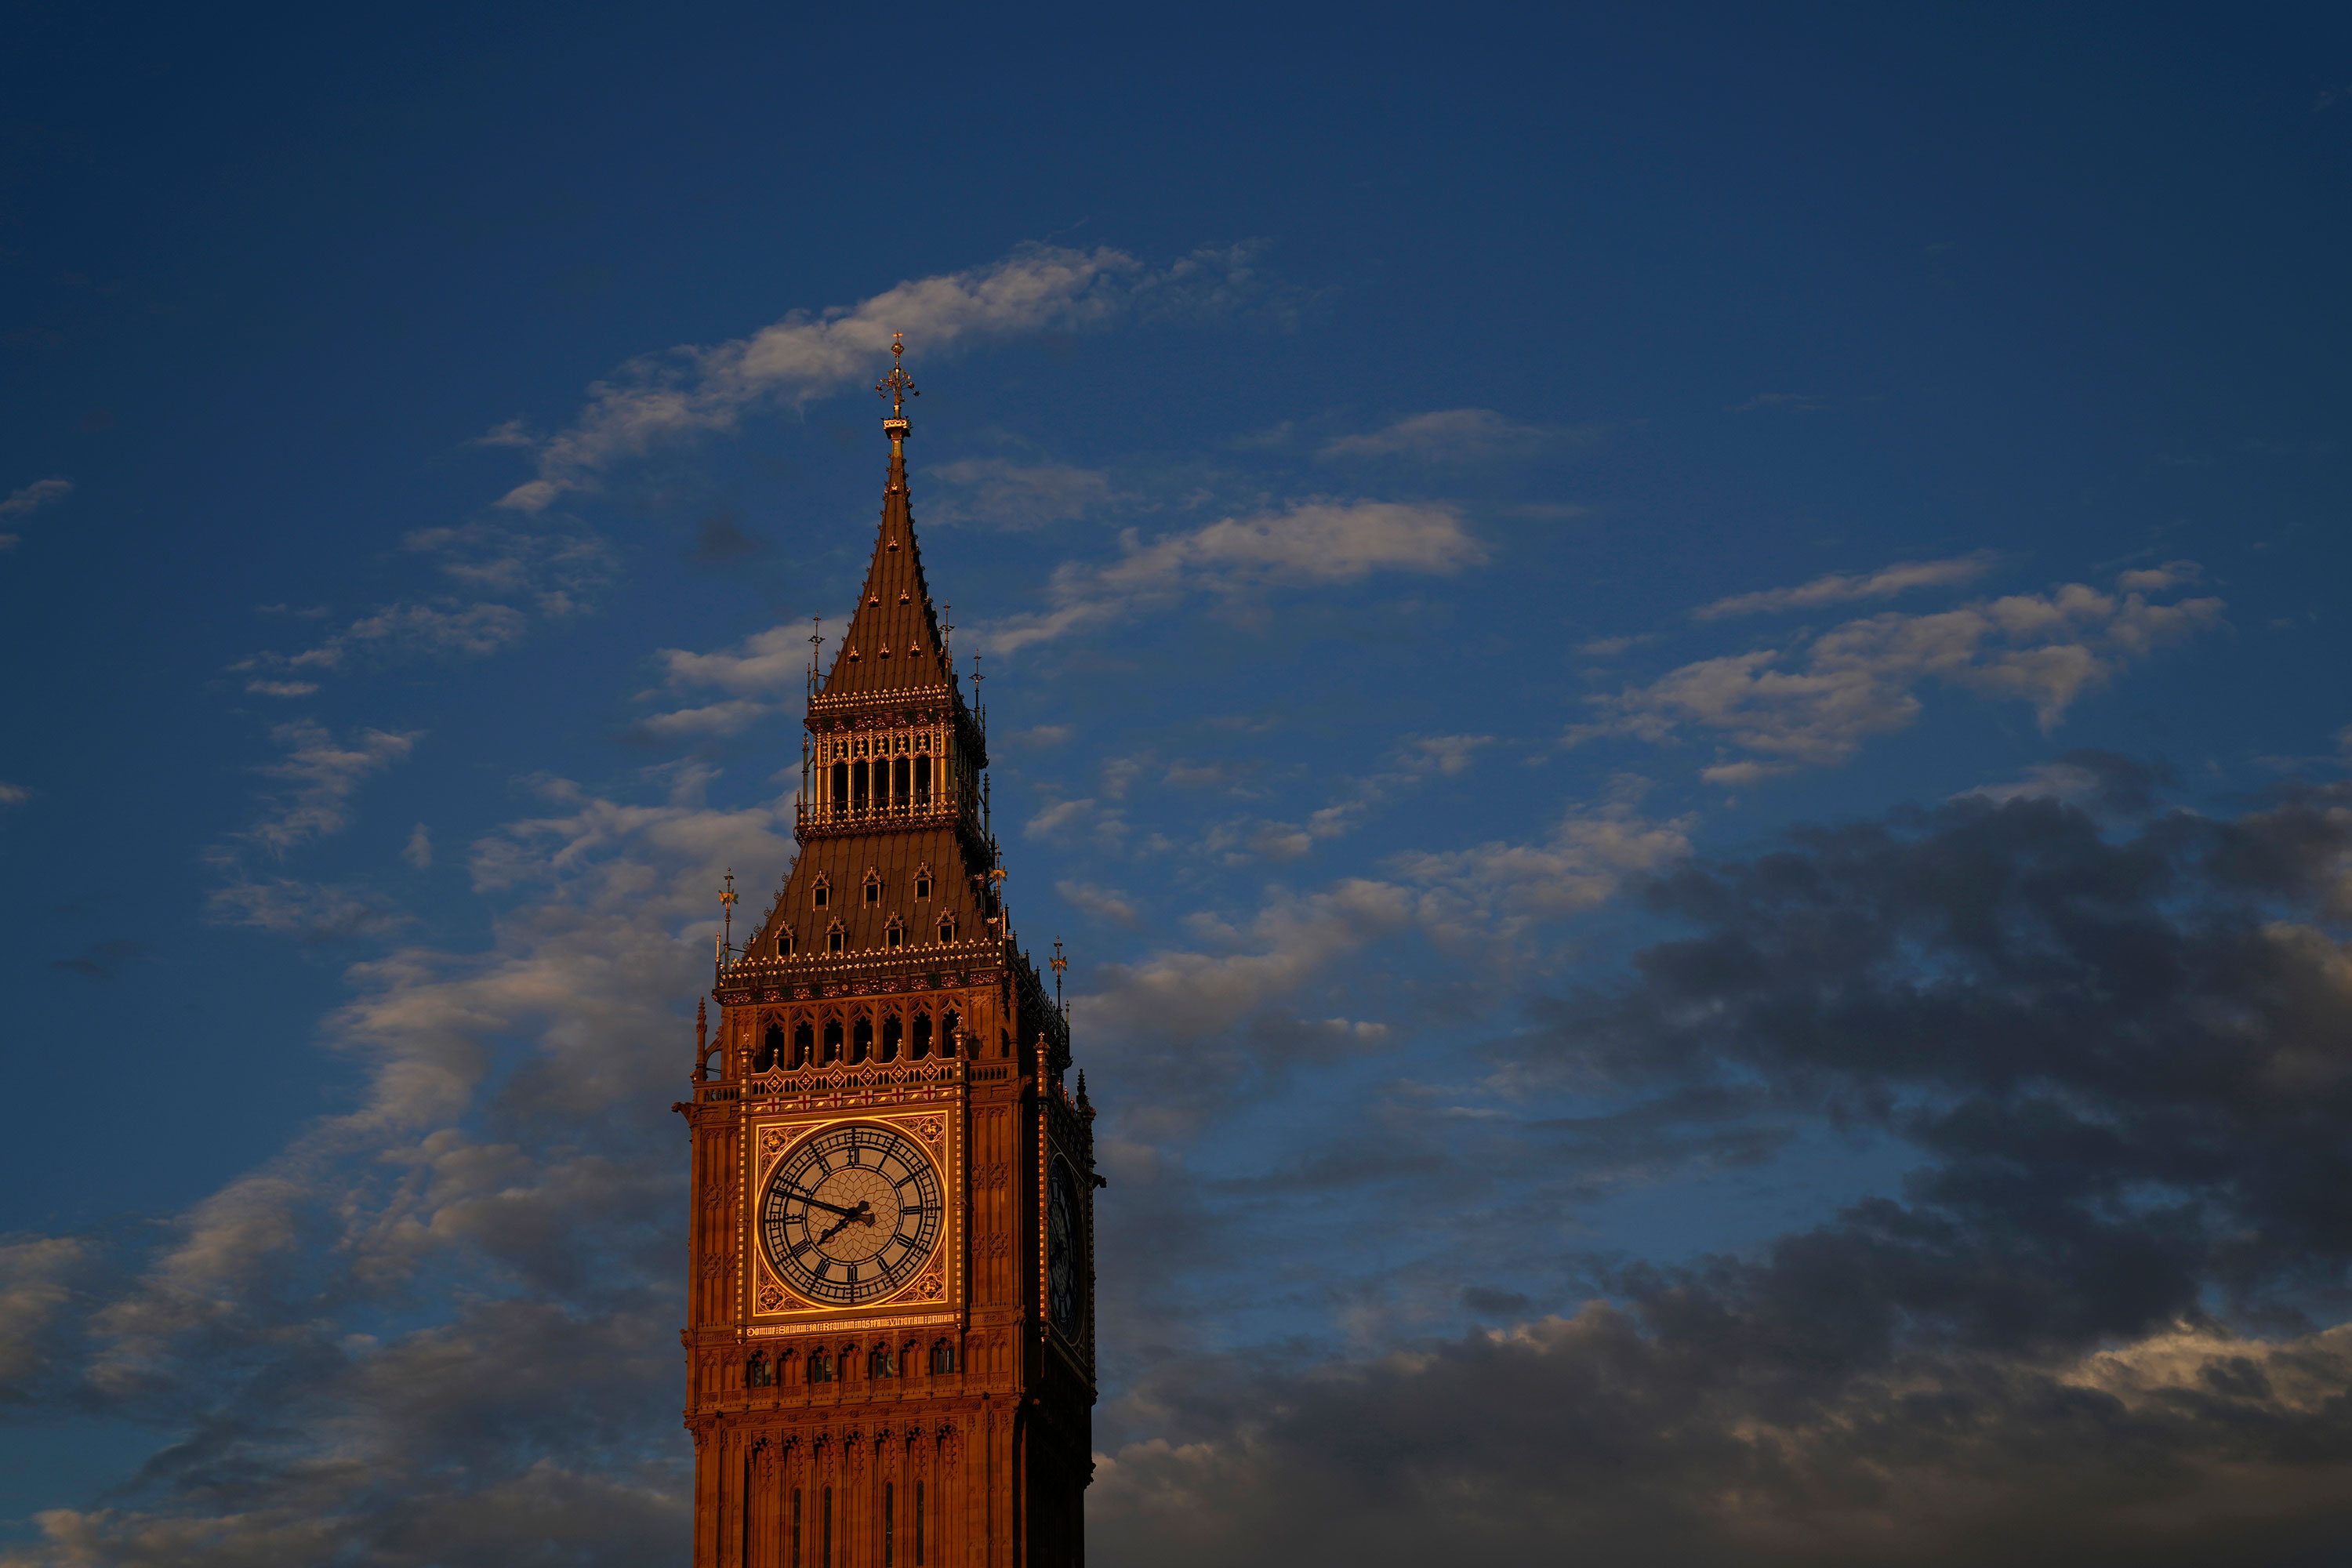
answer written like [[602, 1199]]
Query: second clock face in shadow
[[851, 1215]]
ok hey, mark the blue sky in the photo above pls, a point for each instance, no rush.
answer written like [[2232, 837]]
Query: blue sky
[[1671, 676]]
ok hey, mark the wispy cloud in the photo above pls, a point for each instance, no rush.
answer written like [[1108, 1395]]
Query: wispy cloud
[[697, 390], [319, 775], [499, 576], [34, 496], [1815, 701], [1840, 588], [1311, 543], [14, 794], [1462, 435], [29, 500], [1015, 495]]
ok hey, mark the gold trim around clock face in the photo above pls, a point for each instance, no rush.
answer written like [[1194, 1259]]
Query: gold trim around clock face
[[931, 1282]]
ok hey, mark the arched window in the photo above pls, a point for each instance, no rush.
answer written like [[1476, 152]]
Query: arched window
[[858, 787], [891, 1027], [942, 1358], [861, 1040], [820, 1367], [832, 1041], [900, 781], [947, 928], [820, 893], [947, 1033], [922, 780], [840, 787], [803, 1043], [784, 943], [894, 935], [922, 881], [771, 1046], [880, 1363], [873, 887], [835, 939], [921, 1046]]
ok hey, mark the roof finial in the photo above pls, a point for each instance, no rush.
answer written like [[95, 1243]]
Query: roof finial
[[897, 386], [726, 903]]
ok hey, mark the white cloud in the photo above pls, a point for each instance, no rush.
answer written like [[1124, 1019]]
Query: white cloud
[[1503, 887], [1459, 436], [281, 687], [1010, 495], [1815, 701], [34, 496], [714, 718], [1312, 543], [700, 390], [767, 663], [1839, 588], [1100, 903], [14, 794], [503, 576], [304, 911], [418, 851], [320, 775]]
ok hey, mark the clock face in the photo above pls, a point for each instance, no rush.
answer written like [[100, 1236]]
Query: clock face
[[851, 1215], [1062, 1249]]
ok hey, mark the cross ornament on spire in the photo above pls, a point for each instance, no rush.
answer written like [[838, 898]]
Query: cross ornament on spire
[[897, 386]]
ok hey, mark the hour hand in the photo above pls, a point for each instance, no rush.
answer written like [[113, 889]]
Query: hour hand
[[861, 1214]]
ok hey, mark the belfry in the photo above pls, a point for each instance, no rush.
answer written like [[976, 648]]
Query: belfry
[[890, 1288]]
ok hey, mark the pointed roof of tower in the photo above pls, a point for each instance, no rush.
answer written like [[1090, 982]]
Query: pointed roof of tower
[[893, 641]]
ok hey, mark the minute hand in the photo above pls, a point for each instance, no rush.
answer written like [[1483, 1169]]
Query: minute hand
[[817, 1202]]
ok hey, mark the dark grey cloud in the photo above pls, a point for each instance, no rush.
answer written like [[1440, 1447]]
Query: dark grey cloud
[[2092, 1325]]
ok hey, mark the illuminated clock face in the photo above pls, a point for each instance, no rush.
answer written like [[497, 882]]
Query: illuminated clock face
[[1062, 1249], [851, 1215]]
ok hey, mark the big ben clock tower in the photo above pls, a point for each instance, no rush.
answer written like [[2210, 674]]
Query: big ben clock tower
[[891, 1346]]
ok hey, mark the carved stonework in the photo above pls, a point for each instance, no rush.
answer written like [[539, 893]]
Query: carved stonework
[[890, 800]]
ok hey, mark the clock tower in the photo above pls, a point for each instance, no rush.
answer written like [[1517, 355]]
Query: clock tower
[[891, 1343]]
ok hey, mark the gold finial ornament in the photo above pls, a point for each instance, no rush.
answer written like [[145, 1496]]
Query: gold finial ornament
[[726, 904], [897, 386]]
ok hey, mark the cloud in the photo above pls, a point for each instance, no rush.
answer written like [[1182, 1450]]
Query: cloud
[[1884, 584], [1460, 436], [1644, 1435], [713, 718], [100, 959], [1503, 886], [502, 576], [281, 687], [370, 1345], [1310, 543], [1012, 495], [1098, 904], [1816, 700], [14, 794], [418, 851], [1794, 401], [305, 912], [2101, 1324], [320, 775], [29, 500], [32, 498], [768, 663], [695, 389]]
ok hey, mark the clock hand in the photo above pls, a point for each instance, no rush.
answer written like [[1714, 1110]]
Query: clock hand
[[819, 1203], [862, 1214]]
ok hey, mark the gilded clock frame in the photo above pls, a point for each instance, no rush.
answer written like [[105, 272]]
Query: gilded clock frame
[[937, 1289]]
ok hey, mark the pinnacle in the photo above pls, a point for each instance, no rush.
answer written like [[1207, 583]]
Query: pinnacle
[[892, 644]]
